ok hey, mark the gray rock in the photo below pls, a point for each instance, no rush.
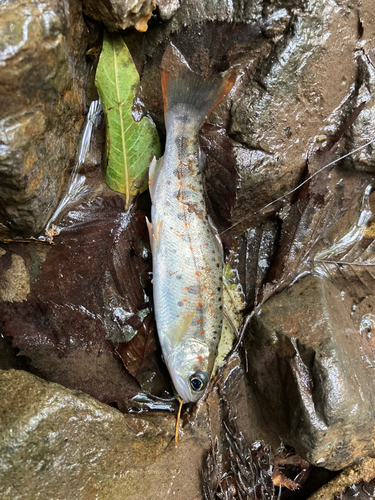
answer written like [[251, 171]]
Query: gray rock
[[312, 380], [120, 14], [42, 60], [62, 444]]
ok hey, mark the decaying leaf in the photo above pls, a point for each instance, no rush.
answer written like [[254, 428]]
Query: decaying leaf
[[69, 324], [130, 145], [249, 473], [350, 261], [279, 479], [137, 353]]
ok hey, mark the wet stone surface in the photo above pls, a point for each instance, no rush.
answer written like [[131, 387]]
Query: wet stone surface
[[119, 15], [43, 66], [312, 382]]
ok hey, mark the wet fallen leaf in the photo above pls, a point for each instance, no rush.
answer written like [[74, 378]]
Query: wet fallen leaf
[[138, 352], [86, 295], [130, 145], [350, 261]]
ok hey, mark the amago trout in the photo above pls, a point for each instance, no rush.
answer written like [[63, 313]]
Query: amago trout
[[187, 252]]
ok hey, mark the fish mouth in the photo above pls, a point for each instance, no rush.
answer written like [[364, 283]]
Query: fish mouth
[[181, 385]]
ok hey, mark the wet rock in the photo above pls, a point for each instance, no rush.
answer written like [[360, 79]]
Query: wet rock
[[356, 482], [76, 444], [167, 8], [119, 15], [285, 105], [312, 382], [43, 68]]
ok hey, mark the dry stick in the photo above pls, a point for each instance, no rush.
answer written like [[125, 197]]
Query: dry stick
[[181, 401]]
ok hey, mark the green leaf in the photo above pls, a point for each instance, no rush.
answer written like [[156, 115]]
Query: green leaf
[[130, 145]]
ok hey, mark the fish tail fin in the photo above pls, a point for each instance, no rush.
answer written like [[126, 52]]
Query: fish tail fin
[[181, 86]]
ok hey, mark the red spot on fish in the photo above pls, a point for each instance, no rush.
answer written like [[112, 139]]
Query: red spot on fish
[[191, 249], [199, 304], [186, 288], [180, 183], [201, 332], [200, 359], [184, 300], [200, 320], [197, 274]]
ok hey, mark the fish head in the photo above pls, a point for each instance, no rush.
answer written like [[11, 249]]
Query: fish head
[[190, 366]]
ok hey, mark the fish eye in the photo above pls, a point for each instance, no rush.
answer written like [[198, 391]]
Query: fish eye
[[198, 381]]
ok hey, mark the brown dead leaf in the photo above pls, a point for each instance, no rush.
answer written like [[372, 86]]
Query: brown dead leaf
[[86, 295], [137, 354], [282, 481]]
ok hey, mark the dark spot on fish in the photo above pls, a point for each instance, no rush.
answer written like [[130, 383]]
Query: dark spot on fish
[[174, 251], [219, 299], [218, 289], [200, 183], [179, 277], [168, 183], [194, 289], [220, 307], [181, 216], [206, 217], [175, 194], [217, 265], [167, 204], [180, 303], [221, 279], [182, 118], [175, 172]]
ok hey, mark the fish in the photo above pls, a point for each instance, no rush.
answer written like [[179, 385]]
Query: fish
[[187, 253]]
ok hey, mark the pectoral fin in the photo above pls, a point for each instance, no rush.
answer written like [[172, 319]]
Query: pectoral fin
[[150, 231], [180, 329], [154, 234], [153, 172]]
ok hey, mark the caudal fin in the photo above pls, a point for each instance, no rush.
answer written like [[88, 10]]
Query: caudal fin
[[182, 86]]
